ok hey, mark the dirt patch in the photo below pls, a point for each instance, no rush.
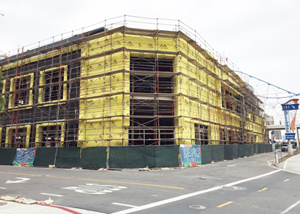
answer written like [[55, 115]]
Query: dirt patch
[[288, 156]]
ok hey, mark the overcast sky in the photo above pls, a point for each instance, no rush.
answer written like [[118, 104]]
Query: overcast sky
[[260, 37]]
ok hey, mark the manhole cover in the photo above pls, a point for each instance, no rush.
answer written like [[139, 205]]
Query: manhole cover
[[2, 203], [197, 207]]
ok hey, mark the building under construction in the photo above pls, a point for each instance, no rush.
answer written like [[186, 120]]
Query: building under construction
[[118, 85]]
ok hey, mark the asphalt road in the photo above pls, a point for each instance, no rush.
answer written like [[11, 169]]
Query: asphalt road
[[247, 185]]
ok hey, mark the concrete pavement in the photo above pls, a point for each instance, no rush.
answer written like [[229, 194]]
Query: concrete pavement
[[292, 164], [13, 207], [210, 176]]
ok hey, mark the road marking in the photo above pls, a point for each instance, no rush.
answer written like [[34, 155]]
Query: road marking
[[285, 163], [62, 208], [286, 180], [49, 194], [95, 189], [262, 189], [2, 188], [121, 182], [182, 197], [223, 205], [291, 207], [15, 173], [126, 205], [232, 165], [87, 179], [22, 180]]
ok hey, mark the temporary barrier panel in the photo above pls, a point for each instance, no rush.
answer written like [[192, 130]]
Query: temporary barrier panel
[[93, 157], [217, 153], [235, 151], [143, 156], [242, 150], [251, 149], [7, 156], [128, 157], [228, 152], [231, 151], [247, 150], [166, 156], [68, 157], [190, 155], [149, 153], [261, 148], [117, 157], [24, 157], [269, 147], [206, 154], [44, 156], [255, 148]]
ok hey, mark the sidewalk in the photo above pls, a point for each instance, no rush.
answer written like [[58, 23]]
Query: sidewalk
[[7, 207], [292, 164]]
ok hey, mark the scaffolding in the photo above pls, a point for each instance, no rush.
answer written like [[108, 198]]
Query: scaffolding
[[123, 84]]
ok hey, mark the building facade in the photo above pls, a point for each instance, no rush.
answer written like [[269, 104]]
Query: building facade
[[125, 86]]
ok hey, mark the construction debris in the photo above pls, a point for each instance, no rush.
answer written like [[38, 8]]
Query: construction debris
[[9, 198], [165, 168], [145, 169], [26, 201]]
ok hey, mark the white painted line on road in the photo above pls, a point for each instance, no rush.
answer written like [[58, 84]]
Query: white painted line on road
[[291, 207], [49, 194], [285, 164], [232, 165], [178, 198], [126, 205], [286, 180], [22, 180], [2, 188]]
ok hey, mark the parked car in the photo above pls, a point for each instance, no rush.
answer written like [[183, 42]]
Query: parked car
[[284, 147]]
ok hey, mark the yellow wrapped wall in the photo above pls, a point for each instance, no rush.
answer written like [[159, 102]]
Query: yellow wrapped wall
[[102, 115]]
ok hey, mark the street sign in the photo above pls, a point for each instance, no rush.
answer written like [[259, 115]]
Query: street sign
[[290, 136], [290, 107]]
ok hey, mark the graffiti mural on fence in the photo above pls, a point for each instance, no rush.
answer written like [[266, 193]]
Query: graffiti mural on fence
[[190, 155], [24, 157]]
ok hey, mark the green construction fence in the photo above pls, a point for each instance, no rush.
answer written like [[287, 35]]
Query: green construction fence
[[44, 156], [143, 156], [7, 156], [93, 157]]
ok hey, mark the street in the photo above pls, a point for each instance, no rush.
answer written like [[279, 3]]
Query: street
[[246, 185]]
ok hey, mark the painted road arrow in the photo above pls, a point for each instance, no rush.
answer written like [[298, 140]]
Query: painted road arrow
[[22, 180]]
